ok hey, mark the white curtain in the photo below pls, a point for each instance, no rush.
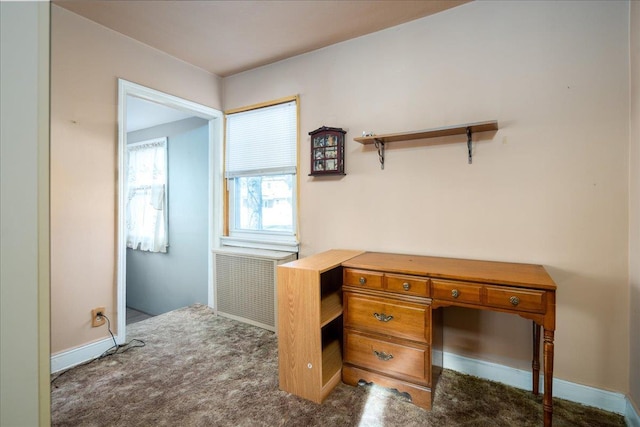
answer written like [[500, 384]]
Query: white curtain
[[147, 196]]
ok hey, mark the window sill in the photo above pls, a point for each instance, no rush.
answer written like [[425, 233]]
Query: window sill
[[285, 246]]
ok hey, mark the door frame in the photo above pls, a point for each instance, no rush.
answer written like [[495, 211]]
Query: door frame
[[215, 119]]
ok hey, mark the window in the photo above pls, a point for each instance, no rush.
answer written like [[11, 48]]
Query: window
[[146, 207], [261, 158]]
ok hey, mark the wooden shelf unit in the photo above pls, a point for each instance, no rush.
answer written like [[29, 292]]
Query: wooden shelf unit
[[468, 128], [310, 324]]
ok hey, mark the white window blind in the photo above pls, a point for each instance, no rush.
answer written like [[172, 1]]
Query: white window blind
[[262, 141]]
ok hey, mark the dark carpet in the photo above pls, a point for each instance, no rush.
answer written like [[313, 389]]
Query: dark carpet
[[197, 369]]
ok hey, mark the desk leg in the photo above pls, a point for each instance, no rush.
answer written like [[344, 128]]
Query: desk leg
[[535, 364], [547, 400]]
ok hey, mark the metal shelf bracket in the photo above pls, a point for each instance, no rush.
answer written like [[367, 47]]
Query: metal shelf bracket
[[379, 144], [469, 145]]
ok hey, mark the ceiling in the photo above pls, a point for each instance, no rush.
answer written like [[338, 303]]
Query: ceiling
[[228, 37]]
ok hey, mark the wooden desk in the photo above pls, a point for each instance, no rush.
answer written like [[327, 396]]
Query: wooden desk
[[389, 307], [523, 289]]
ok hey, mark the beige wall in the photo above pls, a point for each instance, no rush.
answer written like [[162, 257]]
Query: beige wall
[[551, 186], [87, 60], [24, 213], [634, 202]]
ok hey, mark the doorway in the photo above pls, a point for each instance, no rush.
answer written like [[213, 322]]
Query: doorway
[[155, 282]]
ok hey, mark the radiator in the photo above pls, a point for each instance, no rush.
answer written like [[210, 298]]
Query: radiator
[[245, 284]]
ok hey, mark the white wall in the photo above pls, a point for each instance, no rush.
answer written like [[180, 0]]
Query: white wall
[[24, 230], [550, 187]]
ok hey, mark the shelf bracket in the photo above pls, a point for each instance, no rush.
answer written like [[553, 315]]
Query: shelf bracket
[[379, 144], [469, 145]]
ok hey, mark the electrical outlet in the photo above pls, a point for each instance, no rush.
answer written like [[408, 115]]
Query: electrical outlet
[[97, 319]]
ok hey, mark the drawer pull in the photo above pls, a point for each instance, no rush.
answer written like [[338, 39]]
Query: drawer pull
[[382, 317], [363, 280], [455, 293], [382, 355], [514, 300], [406, 286]]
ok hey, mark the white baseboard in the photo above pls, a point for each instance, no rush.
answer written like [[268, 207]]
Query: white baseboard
[[590, 396], [71, 358], [631, 415]]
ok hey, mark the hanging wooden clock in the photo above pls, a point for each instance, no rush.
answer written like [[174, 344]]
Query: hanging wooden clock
[[327, 151]]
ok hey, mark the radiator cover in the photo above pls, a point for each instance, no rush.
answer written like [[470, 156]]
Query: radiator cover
[[245, 285]]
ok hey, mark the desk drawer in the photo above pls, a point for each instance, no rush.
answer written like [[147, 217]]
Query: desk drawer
[[387, 316], [362, 278], [391, 358], [456, 291], [517, 299], [407, 285]]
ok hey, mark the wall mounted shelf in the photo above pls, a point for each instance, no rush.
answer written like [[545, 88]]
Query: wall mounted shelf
[[469, 128]]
